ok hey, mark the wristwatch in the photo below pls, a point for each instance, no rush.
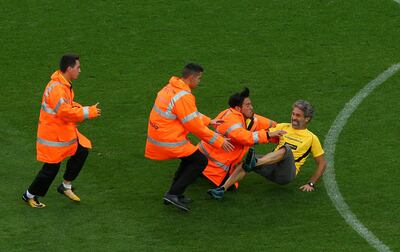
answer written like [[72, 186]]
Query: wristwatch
[[311, 184]]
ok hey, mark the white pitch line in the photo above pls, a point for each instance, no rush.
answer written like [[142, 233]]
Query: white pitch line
[[397, 1], [330, 145]]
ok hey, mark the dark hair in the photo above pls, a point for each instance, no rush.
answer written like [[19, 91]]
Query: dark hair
[[68, 60], [306, 107], [191, 69], [237, 98]]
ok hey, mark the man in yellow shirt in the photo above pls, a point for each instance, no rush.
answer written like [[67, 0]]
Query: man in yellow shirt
[[283, 164]]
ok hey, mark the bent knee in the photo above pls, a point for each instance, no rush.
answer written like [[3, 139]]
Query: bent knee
[[282, 151]]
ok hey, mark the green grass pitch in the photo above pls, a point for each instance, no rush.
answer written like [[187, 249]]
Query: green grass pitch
[[320, 50]]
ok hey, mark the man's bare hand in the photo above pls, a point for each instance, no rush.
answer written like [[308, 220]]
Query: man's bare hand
[[216, 122], [227, 146], [277, 133], [98, 109], [306, 188]]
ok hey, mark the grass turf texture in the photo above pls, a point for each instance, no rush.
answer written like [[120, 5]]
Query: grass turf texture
[[322, 51]]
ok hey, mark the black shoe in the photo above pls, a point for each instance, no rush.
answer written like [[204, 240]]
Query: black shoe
[[174, 200], [250, 160], [184, 199], [217, 193]]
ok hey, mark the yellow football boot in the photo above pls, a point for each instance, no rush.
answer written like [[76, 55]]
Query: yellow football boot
[[33, 202], [68, 193]]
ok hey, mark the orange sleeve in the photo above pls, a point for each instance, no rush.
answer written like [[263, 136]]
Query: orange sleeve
[[75, 104], [206, 120], [186, 111], [264, 123], [62, 107], [238, 134]]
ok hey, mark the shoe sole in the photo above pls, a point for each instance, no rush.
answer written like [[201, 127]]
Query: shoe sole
[[249, 158], [37, 206], [187, 202], [168, 201]]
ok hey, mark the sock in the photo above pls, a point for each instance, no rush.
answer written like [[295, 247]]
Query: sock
[[68, 186], [29, 195]]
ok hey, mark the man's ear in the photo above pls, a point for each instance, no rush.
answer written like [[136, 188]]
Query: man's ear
[[238, 108], [307, 119], [189, 79]]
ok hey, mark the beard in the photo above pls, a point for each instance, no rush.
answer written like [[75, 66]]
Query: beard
[[295, 124]]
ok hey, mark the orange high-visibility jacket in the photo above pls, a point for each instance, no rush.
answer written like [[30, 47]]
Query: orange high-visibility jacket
[[57, 135], [173, 116], [242, 137]]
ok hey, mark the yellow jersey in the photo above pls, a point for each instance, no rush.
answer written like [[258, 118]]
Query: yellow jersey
[[301, 142]]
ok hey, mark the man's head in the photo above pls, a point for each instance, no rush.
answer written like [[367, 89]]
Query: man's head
[[302, 114], [192, 74], [242, 103], [70, 66]]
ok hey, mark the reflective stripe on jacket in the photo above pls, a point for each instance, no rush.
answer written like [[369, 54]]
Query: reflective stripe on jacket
[[57, 135], [173, 116], [242, 137]]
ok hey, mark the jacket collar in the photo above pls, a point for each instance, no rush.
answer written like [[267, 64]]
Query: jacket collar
[[57, 76], [234, 111], [237, 113], [179, 83]]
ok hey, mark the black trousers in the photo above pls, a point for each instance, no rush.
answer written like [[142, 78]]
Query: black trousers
[[188, 171], [47, 174]]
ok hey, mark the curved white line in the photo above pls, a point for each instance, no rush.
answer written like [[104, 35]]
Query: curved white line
[[330, 145]]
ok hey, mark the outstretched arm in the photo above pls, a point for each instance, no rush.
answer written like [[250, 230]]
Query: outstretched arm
[[186, 111], [321, 166]]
